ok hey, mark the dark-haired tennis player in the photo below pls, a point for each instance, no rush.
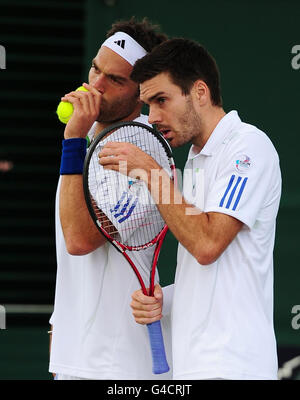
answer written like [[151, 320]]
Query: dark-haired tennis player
[[94, 335], [222, 302]]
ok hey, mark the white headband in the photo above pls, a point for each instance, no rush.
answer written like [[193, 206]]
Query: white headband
[[125, 46]]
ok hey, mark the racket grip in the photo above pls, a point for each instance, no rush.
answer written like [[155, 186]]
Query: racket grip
[[160, 363]]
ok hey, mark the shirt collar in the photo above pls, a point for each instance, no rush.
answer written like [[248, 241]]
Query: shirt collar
[[219, 135]]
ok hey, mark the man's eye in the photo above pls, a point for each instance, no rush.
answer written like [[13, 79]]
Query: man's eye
[[161, 100], [116, 80], [95, 68]]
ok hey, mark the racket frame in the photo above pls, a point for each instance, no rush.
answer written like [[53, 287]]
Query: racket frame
[[120, 247]]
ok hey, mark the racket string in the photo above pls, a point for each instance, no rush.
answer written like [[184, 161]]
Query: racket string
[[125, 208]]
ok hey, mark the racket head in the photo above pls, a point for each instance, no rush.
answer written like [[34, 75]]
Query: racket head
[[121, 207]]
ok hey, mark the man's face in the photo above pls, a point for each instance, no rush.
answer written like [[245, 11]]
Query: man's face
[[110, 75], [171, 111]]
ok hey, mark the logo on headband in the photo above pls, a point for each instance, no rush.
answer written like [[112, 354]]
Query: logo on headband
[[120, 43], [131, 49]]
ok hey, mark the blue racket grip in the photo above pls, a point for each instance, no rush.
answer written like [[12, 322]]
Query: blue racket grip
[[160, 363]]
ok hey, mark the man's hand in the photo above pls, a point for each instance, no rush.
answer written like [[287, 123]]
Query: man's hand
[[147, 309], [86, 110], [127, 159]]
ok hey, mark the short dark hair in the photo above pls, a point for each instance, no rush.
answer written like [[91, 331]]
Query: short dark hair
[[185, 61], [144, 32]]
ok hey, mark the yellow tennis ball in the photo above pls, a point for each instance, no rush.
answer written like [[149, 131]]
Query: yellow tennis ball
[[82, 88], [65, 109]]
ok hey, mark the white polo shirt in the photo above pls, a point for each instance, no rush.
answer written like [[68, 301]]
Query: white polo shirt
[[222, 315]]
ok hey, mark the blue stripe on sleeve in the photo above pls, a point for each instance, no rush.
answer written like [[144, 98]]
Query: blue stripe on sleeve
[[240, 194], [119, 202], [227, 190], [232, 192], [129, 212]]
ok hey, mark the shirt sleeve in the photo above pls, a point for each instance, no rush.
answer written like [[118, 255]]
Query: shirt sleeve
[[243, 182]]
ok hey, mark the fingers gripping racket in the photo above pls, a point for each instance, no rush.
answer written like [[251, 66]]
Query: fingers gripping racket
[[124, 211]]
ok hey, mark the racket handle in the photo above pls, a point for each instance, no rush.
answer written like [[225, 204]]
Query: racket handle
[[160, 363]]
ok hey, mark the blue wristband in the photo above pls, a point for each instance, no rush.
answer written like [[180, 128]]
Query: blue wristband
[[73, 155]]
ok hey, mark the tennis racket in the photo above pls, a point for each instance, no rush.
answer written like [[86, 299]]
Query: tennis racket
[[124, 211]]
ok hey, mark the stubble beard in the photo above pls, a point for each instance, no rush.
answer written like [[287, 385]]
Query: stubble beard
[[117, 111], [190, 123]]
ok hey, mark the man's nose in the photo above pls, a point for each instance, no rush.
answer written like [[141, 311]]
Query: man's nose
[[154, 116], [99, 83]]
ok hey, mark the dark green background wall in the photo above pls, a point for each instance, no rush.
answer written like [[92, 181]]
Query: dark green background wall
[[49, 47]]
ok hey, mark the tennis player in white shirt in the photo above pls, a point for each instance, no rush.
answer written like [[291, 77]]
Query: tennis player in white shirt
[[94, 335], [222, 300]]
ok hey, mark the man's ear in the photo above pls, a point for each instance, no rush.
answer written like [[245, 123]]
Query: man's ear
[[201, 91]]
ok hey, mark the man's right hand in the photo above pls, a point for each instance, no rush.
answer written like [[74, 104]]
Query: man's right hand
[[147, 309], [86, 110]]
